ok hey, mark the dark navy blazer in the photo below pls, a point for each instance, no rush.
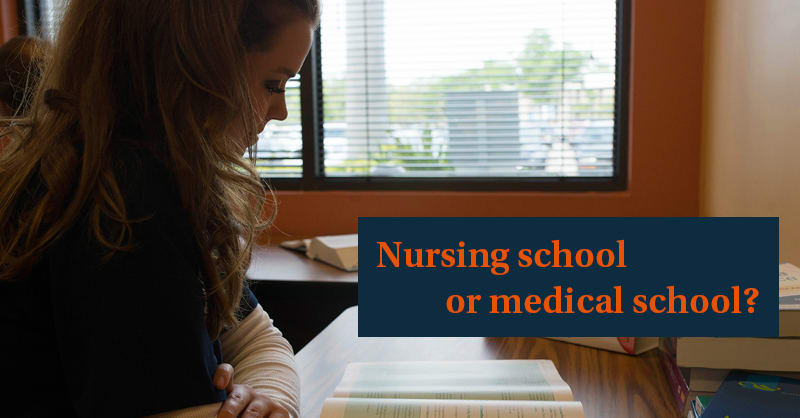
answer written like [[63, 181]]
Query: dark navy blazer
[[124, 337]]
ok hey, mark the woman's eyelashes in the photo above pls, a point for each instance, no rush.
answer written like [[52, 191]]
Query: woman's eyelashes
[[274, 86]]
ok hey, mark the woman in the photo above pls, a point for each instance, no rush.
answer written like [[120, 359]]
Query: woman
[[127, 213]]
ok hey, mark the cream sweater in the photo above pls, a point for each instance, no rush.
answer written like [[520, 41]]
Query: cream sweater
[[261, 358]]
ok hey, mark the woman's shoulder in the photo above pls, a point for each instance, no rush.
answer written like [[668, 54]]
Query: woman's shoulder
[[143, 185], [143, 177], [127, 156], [152, 242]]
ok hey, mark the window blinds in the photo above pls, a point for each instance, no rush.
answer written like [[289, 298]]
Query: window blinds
[[468, 88], [453, 88]]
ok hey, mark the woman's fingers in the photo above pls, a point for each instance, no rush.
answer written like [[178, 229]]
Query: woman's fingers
[[282, 413], [262, 406], [223, 377], [237, 401], [245, 402], [257, 409]]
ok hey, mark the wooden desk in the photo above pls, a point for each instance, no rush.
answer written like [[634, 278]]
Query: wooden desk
[[302, 295], [608, 384]]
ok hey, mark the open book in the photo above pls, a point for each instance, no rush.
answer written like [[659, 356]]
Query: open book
[[441, 389]]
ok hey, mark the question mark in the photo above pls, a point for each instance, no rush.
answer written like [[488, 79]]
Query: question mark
[[751, 300]]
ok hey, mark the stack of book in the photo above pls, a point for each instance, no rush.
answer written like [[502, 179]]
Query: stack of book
[[492, 388], [699, 366]]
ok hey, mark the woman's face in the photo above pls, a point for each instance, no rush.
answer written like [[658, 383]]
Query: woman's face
[[268, 72]]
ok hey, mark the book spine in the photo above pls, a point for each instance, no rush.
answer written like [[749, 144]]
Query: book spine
[[680, 389]]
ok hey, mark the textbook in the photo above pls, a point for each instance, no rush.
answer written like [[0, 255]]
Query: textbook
[[700, 403], [745, 394], [768, 354], [679, 377], [629, 345], [433, 389], [340, 251], [676, 377], [708, 380], [788, 300], [765, 354]]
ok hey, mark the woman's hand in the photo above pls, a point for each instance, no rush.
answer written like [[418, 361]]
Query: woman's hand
[[223, 377], [244, 401]]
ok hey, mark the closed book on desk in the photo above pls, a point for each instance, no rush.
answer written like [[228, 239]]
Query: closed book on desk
[[764, 354], [709, 380], [340, 251], [767, 354], [496, 388], [628, 345], [744, 394], [676, 377], [788, 300]]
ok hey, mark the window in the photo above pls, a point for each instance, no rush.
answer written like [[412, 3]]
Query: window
[[43, 17], [455, 94], [464, 94], [279, 151]]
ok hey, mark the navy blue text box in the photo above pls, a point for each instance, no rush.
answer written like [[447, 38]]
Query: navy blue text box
[[722, 261]]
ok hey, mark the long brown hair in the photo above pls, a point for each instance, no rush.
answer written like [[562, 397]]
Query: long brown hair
[[173, 72], [20, 60]]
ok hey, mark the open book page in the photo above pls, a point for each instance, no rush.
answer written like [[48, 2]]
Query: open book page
[[337, 250], [298, 245], [536, 380], [439, 408]]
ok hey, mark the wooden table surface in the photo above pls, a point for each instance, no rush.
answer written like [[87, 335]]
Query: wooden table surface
[[273, 263], [607, 384]]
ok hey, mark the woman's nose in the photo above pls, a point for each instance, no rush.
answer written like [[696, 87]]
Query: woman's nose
[[277, 109]]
